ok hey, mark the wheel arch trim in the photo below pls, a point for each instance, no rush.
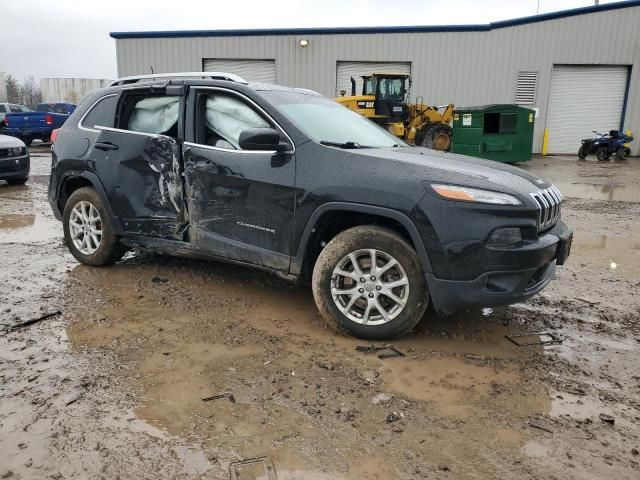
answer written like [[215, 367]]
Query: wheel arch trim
[[404, 220], [93, 179]]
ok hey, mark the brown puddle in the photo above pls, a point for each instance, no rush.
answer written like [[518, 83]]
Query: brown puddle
[[211, 328], [30, 228], [596, 191]]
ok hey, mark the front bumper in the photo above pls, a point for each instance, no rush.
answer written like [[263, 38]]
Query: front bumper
[[15, 167], [506, 286]]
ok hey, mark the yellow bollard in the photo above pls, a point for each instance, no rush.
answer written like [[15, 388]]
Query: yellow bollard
[[545, 142], [628, 132]]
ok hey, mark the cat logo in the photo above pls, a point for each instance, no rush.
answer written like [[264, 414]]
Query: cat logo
[[365, 104]]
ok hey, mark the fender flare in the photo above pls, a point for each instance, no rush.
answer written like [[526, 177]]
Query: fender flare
[[404, 220], [93, 179]]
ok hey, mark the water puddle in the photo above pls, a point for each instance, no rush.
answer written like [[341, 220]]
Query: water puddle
[[596, 191], [31, 228]]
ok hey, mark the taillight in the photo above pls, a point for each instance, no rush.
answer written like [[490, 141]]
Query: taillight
[[6, 121], [48, 119], [54, 135]]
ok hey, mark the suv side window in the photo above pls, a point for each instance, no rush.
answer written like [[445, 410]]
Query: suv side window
[[221, 117], [150, 113], [102, 113]]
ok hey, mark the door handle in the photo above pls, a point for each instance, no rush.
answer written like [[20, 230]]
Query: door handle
[[106, 146]]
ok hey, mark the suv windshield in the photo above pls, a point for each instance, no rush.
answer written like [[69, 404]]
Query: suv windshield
[[329, 122]]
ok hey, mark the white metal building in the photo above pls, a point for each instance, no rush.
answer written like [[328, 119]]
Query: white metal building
[[69, 90], [579, 68]]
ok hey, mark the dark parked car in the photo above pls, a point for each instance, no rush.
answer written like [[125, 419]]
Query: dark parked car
[[39, 124], [14, 161], [286, 180]]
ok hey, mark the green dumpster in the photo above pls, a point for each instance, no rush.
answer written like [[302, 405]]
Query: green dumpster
[[496, 132]]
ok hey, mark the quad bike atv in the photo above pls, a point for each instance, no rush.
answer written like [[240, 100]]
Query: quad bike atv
[[605, 145]]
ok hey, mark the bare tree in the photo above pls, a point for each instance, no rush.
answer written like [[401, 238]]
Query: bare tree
[[31, 94], [13, 90]]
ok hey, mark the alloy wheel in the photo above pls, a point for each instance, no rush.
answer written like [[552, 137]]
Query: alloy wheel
[[85, 227]]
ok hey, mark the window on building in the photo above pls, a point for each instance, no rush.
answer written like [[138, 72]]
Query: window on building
[[495, 122], [221, 119], [154, 114], [526, 85], [102, 113]]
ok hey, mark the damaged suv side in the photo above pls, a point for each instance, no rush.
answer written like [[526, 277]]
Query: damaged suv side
[[286, 180]]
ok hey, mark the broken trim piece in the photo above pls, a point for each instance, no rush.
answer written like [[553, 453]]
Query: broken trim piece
[[266, 463], [393, 352], [555, 340]]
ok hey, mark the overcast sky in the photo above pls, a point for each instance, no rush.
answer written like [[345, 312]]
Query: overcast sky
[[70, 38]]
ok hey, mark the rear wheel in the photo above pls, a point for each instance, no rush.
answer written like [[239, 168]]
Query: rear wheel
[[368, 282], [623, 153], [437, 137], [87, 230], [603, 155], [583, 152]]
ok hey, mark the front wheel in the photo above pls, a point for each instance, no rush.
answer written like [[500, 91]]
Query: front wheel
[[17, 180], [603, 155], [368, 282], [87, 230], [437, 137]]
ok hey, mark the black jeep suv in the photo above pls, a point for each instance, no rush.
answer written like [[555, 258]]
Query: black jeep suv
[[286, 180]]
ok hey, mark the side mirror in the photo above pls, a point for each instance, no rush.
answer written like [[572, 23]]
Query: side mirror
[[261, 139]]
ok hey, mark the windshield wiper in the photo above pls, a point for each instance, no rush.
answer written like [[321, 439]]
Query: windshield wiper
[[345, 145]]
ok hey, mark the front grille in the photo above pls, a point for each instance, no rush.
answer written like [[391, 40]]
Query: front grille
[[548, 201], [12, 152]]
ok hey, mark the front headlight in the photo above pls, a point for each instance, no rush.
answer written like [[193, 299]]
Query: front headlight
[[18, 151], [468, 194]]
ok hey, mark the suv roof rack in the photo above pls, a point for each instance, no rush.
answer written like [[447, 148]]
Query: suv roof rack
[[211, 75]]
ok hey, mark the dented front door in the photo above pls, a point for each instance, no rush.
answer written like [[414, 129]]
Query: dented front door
[[141, 174]]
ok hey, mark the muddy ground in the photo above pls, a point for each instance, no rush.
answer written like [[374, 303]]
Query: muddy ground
[[114, 386]]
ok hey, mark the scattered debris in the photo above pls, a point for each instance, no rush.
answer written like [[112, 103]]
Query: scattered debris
[[576, 391], [443, 468], [157, 279], [590, 302], [391, 351], [260, 467], [394, 417], [381, 398], [539, 426], [635, 451], [345, 414], [537, 338], [34, 320], [607, 418], [228, 395]]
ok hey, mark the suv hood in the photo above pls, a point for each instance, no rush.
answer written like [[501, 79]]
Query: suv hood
[[461, 169]]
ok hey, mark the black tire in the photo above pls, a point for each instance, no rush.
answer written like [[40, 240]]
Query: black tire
[[623, 153], [603, 155], [110, 250], [17, 181], [583, 152], [27, 140], [436, 137], [383, 241]]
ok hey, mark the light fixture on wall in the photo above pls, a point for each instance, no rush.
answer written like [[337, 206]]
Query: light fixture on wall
[[304, 43]]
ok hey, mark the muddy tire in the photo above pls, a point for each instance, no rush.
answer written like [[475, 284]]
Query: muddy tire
[[603, 155], [436, 137], [583, 152], [377, 303], [87, 230], [623, 153]]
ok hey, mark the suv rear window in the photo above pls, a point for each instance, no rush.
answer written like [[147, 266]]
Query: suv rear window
[[52, 108], [154, 114], [102, 113]]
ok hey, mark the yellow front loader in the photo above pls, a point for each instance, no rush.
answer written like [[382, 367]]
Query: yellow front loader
[[384, 101]]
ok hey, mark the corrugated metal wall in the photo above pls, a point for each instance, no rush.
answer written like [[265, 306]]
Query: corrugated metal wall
[[466, 68], [69, 89]]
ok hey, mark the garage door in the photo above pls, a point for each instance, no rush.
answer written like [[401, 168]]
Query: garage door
[[582, 99], [263, 71], [346, 70]]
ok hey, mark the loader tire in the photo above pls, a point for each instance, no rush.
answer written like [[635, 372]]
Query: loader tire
[[437, 137]]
